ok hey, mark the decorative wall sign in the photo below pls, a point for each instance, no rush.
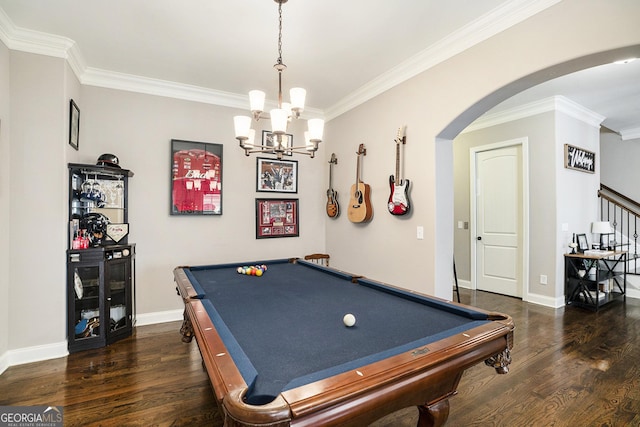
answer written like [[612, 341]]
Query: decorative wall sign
[[579, 159], [74, 125], [277, 176], [196, 178], [276, 218]]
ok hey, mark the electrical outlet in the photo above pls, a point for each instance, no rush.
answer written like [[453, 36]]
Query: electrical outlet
[[543, 279], [420, 232]]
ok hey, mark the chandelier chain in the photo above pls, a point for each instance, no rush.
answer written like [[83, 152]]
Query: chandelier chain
[[280, 33]]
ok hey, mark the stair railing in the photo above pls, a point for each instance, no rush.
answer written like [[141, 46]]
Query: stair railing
[[623, 213]]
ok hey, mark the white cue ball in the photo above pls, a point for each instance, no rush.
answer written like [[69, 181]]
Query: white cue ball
[[349, 320]]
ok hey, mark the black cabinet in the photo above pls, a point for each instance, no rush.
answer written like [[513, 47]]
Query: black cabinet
[[100, 297], [594, 279], [100, 261]]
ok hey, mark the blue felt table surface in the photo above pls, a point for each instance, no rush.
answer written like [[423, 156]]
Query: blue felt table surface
[[289, 325]]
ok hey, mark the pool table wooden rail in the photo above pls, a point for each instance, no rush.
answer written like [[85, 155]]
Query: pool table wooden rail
[[425, 376]]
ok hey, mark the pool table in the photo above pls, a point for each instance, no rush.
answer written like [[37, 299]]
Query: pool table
[[278, 354]]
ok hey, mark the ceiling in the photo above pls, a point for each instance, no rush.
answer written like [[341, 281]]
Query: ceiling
[[342, 52]]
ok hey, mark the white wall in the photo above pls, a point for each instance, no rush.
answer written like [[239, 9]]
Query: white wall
[[5, 175], [619, 160], [37, 268], [577, 201]]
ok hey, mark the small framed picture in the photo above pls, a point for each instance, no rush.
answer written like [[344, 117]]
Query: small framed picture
[[276, 218], [74, 125], [268, 137], [583, 244], [276, 176]]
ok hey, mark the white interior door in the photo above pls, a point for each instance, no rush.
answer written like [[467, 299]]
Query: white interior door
[[499, 221]]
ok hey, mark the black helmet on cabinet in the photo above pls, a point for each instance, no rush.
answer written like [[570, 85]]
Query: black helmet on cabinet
[[107, 159]]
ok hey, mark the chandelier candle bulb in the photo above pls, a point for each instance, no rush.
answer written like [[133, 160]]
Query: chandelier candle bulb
[[242, 125], [256, 102], [316, 129], [298, 96], [279, 120]]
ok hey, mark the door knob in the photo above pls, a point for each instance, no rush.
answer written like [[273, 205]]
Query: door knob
[[479, 237]]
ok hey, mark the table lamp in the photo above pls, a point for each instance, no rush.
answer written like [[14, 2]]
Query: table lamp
[[602, 228]]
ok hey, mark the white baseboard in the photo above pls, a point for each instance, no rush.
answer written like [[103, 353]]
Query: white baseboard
[[159, 317], [4, 362], [36, 353], [532, 298], [545, 300], [633, 293], [53, 351]]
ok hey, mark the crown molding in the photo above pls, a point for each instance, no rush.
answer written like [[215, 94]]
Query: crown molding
[[499, 19], [551, 104], [578, 112], [631, 133], [492, 23], [16, 38], [128, 82]]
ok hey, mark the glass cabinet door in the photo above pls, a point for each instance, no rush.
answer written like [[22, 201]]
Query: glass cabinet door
[[117, 284], [86, 286]]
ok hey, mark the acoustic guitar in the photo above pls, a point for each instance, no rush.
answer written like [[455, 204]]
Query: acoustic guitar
[[399, 198], [359, 202], [333, 209]]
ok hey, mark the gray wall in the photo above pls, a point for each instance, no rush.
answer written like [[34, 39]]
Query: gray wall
[[556, 195], [37, 196], [5, 174], [540, 132], [619, 164]]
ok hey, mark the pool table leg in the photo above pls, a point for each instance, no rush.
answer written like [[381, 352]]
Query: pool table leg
[[187, 328], [434, 415], [500, 361]]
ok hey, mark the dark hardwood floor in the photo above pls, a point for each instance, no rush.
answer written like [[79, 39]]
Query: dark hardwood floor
[[570, 368]]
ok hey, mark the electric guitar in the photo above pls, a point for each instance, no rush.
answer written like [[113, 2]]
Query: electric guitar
[[399, 199], [359, 204], [333, 209]]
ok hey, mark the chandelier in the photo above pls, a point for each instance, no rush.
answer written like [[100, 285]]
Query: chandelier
[[279, 143]]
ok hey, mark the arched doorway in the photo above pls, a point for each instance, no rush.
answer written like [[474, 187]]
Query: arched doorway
[[448, 134]]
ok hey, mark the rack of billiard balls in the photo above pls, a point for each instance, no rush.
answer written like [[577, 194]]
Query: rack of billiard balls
[[253, 270]]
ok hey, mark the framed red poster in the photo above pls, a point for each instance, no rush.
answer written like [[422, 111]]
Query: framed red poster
[[277, 218], [196, 178]]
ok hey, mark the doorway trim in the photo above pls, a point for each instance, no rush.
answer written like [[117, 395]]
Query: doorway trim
[[523, 142]]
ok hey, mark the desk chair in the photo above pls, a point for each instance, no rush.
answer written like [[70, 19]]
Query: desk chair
[[320, 259]]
